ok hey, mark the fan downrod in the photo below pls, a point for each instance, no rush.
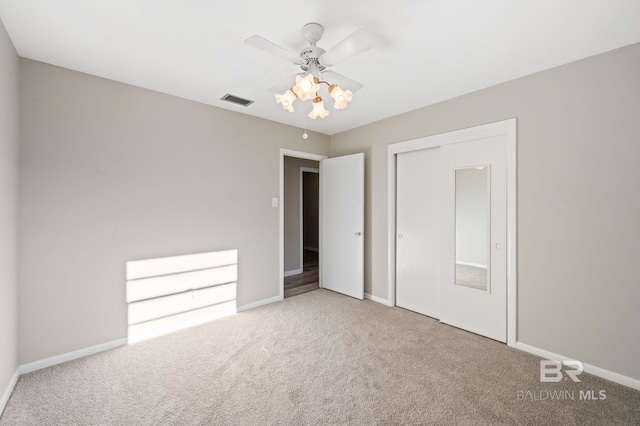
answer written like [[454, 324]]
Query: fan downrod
[[313, 32]]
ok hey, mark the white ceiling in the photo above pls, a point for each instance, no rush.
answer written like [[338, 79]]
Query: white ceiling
[[428, 50]]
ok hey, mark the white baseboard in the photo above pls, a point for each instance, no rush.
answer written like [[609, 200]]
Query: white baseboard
[[9, 389], [377, 299], [259, 303], [588, 368], [70, 356], [292, 272]]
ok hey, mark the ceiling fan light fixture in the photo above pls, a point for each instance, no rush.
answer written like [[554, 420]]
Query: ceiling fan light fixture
[[286, 99], [306, 87], [341, 97], [318, 109], [314, 60]]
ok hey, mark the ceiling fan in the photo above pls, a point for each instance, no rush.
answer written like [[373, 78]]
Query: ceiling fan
[[313, 61]]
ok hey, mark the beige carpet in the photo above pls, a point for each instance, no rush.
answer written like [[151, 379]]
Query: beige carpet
[[317, 358]]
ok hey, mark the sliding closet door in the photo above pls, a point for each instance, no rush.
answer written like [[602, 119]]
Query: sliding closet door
[[474, 236], [454, 233], [418, 231]]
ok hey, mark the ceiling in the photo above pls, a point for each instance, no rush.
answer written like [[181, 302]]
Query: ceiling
[[427, 50]]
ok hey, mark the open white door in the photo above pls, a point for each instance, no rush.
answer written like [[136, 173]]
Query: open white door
[[342, 219]]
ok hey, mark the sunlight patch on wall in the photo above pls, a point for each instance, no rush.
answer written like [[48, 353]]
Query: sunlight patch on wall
[[172, 293]]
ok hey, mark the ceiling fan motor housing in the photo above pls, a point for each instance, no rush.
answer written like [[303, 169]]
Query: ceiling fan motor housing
[[310, 55]]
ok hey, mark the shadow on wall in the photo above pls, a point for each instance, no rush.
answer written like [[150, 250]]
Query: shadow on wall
[[172, 293]]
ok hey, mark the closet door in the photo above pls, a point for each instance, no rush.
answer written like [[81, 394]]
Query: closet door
[[473, 290], [418, 231]]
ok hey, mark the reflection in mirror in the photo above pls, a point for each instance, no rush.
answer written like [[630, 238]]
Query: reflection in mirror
[[472, 227]]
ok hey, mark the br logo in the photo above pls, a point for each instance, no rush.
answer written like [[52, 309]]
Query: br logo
[[551, 371]]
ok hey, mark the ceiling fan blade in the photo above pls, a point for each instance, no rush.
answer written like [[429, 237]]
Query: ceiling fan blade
[[288, 83], [345, 83], [269, 47], [356, 43]]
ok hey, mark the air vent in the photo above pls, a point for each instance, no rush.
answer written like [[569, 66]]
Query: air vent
[[236, 100]]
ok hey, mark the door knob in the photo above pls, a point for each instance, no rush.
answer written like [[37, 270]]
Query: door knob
[[358, 234]]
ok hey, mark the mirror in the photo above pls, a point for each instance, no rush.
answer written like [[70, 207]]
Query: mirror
[[472, 227]]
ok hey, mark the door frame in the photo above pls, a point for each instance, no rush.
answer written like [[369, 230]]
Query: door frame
[[507, 128], [307, 156], [304, 170]]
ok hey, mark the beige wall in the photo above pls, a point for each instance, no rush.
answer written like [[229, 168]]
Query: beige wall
[[578, 200], [111, 173], [9, 126], [292, 210]]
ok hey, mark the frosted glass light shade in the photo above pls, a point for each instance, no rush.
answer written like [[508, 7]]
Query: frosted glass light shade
[[318, 109], [286, 99], [306, 87], [342, 97]]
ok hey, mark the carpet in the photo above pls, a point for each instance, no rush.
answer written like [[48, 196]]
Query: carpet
[[317, 358]]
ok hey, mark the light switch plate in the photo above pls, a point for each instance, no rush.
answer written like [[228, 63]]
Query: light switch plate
[[274, 202]]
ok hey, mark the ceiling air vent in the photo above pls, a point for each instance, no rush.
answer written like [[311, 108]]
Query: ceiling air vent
[[236, 100]]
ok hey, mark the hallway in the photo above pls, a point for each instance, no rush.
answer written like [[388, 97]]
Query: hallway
[[308, 280]]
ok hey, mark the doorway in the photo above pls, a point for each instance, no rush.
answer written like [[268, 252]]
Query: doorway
[[301, 225], [452, 230], [341, 222], [291, 217]]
